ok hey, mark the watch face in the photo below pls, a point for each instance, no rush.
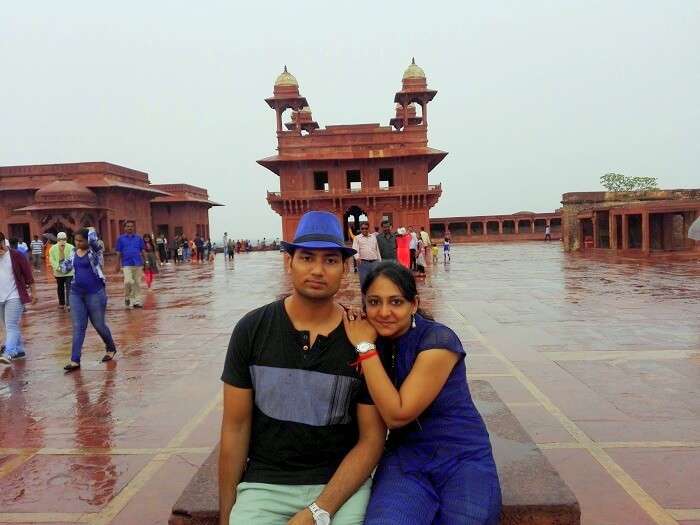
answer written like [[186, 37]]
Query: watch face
[[363, 348]]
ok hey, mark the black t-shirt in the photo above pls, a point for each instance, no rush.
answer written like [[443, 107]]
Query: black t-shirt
[[305, 412]]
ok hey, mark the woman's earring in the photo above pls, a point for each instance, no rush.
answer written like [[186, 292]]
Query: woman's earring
[[413, 321]]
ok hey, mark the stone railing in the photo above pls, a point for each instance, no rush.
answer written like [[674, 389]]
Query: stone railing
[[354, 192]]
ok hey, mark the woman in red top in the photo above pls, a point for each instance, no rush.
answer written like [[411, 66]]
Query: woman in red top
[[403, 252]]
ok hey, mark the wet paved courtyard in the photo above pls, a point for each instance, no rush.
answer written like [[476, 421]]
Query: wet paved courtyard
[[599, 360]]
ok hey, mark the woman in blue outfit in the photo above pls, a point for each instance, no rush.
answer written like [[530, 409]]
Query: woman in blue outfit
[[87, 295], [438, 467]]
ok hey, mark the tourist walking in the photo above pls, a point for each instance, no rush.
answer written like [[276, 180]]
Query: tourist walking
[[175, 249], [547, 233], [185, 249], [58, 253], [225, 245], [438, 465], [446, 249], [199, 244], [299, 437], [403, 252], [425, 237], [413, 246], [420, 259], [130, 257], [231, 249], [162, 245], [367, 251], [386, 240], [88, 296], [15, 277], [36, 248], [150, 264], [435, 252]]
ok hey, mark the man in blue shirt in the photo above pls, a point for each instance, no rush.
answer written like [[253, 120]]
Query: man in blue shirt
[[130, 256]]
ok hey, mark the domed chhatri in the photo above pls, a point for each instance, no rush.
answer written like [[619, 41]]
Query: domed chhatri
[[65, 191], [413, 71], [286, 79]]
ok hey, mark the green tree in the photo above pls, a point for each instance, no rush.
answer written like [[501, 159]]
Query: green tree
[[620, 182]]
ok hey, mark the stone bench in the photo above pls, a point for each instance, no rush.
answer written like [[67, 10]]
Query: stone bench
[[533, 492]]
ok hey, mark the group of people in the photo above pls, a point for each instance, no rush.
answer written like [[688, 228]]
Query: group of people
[[408, 247], [78, 269], [181, 249], [311, 386], [232, 246]]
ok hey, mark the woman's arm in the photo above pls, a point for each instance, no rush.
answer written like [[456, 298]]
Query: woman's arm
[[92, 241], [423, 384]]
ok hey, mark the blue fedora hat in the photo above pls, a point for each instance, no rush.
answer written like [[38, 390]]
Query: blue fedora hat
[[319, 230]]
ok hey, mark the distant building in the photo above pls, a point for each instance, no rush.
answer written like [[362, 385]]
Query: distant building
[[521, 226], [358, 172], [49, 198], [640, 224]]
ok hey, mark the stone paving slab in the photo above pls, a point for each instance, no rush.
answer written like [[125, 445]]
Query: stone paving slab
[[531, 315]]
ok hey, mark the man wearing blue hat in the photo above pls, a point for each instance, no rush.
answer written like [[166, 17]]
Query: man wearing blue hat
[[300, 434]]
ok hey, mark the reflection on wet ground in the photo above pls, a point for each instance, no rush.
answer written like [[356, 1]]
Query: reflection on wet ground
[[599, 360]]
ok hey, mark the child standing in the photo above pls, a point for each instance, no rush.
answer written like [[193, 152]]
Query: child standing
[[446, 249], [435, 253]]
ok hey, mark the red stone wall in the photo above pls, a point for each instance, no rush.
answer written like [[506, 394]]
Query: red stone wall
[[10, 200], [181, 215]]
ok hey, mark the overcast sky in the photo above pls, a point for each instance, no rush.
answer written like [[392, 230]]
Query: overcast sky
[[534, 98]]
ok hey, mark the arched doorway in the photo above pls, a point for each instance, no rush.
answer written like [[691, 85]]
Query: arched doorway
[[352, 218], [54, 223]]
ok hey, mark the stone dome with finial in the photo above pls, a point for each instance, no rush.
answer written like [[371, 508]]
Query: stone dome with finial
[[286, 79], [414, 78], [413, 71], [286, 85]]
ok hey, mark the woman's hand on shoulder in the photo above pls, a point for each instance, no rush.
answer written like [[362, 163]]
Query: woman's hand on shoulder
[[357, 327]]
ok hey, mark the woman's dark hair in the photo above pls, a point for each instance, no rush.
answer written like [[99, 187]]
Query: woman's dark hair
[[400, 276], [83, 232]]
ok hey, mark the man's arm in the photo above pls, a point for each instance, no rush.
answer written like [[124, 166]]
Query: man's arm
[[356, 467], [118, 250], [26, 270], [235, 438], [356, 247]]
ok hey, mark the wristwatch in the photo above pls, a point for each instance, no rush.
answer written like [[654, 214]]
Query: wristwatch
[[321, 517], [363, 348]]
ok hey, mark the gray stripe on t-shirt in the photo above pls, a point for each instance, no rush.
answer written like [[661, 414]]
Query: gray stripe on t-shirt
[[303, 396]]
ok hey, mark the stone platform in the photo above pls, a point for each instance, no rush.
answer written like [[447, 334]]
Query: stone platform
[[598, 360], [533, 492]]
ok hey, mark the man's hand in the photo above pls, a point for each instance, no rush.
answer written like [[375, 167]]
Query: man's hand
[[303, 517]]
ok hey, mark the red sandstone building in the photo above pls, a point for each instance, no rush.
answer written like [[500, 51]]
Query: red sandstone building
[[521, 226], [50, 198], [355, 171], [636, 224]]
